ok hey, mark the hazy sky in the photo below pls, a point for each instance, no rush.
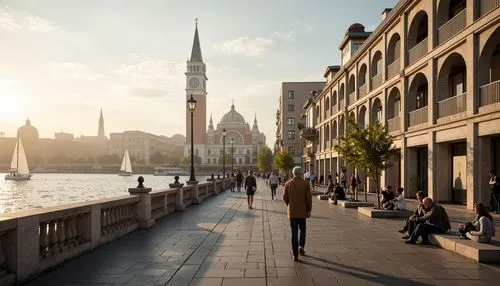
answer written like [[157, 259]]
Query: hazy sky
[[62, 60]]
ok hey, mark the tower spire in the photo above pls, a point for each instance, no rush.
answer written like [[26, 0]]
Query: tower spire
[[196, 51], [100, 132]]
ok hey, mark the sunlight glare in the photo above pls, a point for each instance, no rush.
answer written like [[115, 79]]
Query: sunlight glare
[[10, 101]]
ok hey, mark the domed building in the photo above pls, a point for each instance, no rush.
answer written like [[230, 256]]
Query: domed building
[[208, 143], [27, 132]]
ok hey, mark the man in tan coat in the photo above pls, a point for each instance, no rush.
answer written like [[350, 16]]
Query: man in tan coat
[[298, 198]]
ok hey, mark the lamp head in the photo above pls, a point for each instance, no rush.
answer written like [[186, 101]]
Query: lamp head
[[191, 103], [224, 132]]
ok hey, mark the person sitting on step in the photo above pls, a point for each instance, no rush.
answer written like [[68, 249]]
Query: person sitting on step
[[435, 220], [411, 223], [481, 229]]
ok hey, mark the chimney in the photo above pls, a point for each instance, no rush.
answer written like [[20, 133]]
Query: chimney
[[385, 13]]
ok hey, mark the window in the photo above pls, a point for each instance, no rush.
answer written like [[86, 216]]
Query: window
[[291, 150], [209, 153], [291, 107], [356, 47], [457, 84], [379, 114], [290, 121], [291, 94], [290, 134]]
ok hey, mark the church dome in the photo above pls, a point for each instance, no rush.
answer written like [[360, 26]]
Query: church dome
[[233, 117], [27, 132]]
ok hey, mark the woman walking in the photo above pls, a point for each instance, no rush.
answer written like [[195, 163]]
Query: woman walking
[[250, 187]]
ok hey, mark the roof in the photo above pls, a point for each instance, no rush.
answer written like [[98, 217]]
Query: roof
[[331, 69], [196, 51], [233, 116]]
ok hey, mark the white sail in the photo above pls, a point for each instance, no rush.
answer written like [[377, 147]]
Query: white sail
[[19, 162], [126, 166]]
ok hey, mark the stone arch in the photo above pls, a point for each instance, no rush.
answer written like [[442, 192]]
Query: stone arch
[[237, 136], [418, 92], [393, 103], [327, 106], [362, 116], [334, 129], [418, 29], [377, 110], [327, 134], [394, 49], [489, 69], [376, 66], [318, 113], [447, 9], [362, 75], [341, 92], [334, 98], [452, 77], [341, 125], [351, 85]]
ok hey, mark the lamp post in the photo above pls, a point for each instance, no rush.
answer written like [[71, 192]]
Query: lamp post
[[232, 154], [224, 153], [192, 105]]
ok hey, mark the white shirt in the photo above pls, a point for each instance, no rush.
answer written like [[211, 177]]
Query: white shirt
[[400, 202]]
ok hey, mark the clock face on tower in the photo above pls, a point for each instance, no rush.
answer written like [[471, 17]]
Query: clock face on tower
[[194, 83]]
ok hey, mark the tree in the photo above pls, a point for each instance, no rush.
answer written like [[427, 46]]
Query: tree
[[157, 158], [369, 149], [265, 159], [284, 161]]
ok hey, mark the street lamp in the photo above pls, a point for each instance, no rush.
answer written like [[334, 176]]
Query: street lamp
[[192, 105], [224, 153], [232, 154]]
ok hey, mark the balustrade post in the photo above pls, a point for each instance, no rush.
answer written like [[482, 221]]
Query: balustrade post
[[195, 195], [90, 226], [144, 206], [179, 200], [27, 247]]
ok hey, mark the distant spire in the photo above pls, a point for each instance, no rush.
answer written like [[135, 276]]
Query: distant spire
[[211, 122], [100, 131], [255, 127], [196, 51], [255, 119]]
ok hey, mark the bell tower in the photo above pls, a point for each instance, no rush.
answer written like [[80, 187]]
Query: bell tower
[[196, 79]]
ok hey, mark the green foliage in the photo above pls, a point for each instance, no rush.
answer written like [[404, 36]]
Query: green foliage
[[284, 161], [109, 159], [265, 159], [157, 158], [369, 149]]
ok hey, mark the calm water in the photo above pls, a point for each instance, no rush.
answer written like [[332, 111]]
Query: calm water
[[45, 190]]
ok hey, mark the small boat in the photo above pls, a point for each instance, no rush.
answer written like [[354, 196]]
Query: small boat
[[19, 170], [126, 168]]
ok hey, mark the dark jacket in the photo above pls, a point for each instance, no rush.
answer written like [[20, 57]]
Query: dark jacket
[[436, 216], [250, 182]]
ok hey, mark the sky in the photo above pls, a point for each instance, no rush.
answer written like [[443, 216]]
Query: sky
[[61, 61]]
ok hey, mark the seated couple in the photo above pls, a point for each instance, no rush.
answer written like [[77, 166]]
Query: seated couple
[[391, 202], [481, 229], [335, 191], [428, 218]]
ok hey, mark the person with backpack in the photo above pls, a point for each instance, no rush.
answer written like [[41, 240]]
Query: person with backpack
[[494, 192], [435, 220]]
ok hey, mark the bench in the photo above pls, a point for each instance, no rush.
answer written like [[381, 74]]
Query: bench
[[350, 204], [376, 213], [480, 252]]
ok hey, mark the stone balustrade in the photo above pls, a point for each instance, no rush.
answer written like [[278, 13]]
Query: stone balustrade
[[36, 240]]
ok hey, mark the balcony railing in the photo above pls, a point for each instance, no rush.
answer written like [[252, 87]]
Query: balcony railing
[[363, 90], [418, 51], [393, 69], [452, 27], [452, 105], [418, 116], [490, 93], [341, 104], [486, 6], [394, 124], [352, 97], [376, 80]]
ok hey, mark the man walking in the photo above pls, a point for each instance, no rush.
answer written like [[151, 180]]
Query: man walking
[[297, 196], [273, 183]]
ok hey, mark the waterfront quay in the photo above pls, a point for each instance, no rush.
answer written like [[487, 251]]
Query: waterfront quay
[[221, 242]]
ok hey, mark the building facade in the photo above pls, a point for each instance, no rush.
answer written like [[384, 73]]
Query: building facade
[[293, 96], [431, 73], [209, 144]]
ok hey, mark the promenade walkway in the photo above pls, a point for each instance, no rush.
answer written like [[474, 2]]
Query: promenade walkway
[[221, 242]]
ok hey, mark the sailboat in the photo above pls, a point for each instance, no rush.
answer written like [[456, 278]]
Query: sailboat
[[126, 168], [19, 170]]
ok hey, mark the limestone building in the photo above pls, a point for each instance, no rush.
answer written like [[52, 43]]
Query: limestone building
[[431, 73], [208, 144], [293, 95]]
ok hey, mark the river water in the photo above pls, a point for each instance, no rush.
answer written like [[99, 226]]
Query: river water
[[45, 190]]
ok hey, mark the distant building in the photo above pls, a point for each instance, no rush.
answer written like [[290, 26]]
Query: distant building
[[63, 136], [141, 145], [208, 145], [293, 96]]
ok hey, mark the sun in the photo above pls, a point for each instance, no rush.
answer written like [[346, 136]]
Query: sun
[[10, 101]]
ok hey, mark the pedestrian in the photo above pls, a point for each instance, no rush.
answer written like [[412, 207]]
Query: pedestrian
[[494, 192], [233, 182], [343, 179], [298, 198], [250, 187], [354, 185], [273, 184], [239, 180]]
